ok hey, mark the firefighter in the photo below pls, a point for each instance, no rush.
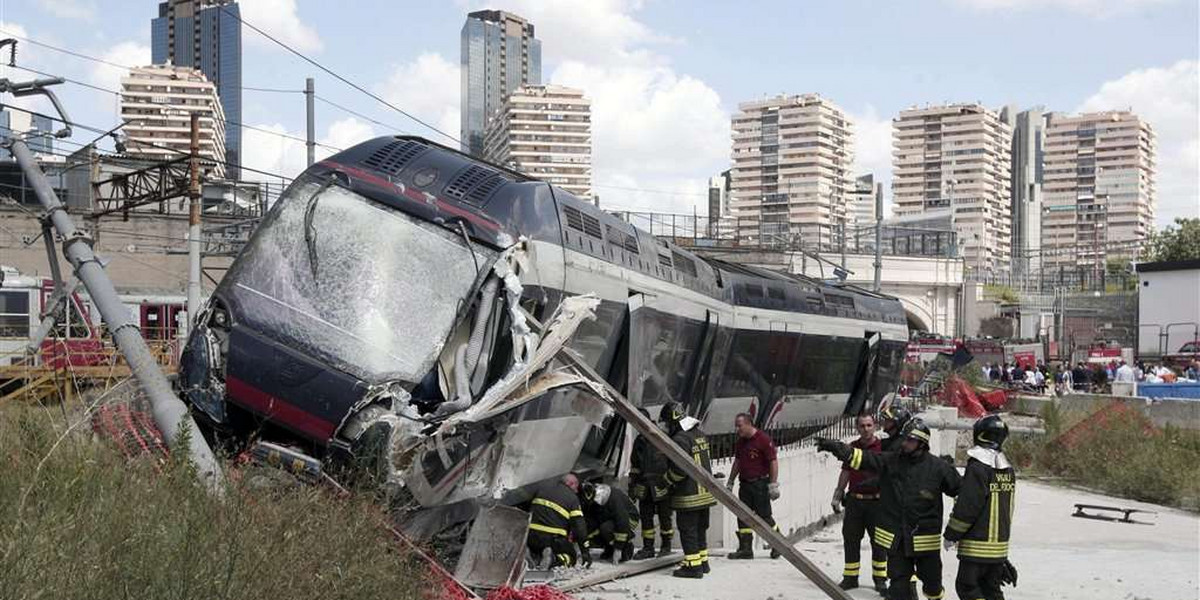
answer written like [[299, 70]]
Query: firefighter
[[689, 498], [895, 418], [556, 522], [862, 511], [612, 519], [648, 488], [755, 461], [981, 521], [912, 482]]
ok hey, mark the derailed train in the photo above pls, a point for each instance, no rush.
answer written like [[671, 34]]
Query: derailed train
[[376, 296]]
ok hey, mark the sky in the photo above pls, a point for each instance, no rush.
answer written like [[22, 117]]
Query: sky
[[665, 76]]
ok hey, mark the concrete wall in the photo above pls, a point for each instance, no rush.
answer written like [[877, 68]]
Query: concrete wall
[[806, 481], [1176, 413]]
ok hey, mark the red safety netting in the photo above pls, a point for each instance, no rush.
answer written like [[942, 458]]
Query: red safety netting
[[451, 590], [131, 430], [1099, 421], [958, 393]]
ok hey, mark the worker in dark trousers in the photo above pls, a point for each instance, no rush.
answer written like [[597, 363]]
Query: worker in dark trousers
[[612, 519], [689, 498], [862, 510], [981, 521], [911, 482], [556, 522], [756, 463], [648, 488]]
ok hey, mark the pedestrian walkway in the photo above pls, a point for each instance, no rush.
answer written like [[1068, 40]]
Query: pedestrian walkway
[[1058, 556]]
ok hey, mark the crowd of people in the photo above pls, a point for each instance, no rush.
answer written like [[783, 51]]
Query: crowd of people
[[1090, 377]]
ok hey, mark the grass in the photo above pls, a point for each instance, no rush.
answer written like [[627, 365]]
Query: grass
[[78, 520], [1126, 457]]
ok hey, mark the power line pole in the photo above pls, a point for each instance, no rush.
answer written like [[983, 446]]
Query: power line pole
[[193, 287], [311, 138], [878, 234]]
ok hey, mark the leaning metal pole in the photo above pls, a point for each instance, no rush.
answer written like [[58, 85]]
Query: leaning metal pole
[[169, 412]]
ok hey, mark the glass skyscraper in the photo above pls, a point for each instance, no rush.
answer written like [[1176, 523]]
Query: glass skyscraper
[[206, 35], [499, 54]]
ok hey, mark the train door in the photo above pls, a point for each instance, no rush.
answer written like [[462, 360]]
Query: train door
[[861, 397], [18, 319]]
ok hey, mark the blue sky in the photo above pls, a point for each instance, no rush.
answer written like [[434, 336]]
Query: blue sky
[[665, 75]]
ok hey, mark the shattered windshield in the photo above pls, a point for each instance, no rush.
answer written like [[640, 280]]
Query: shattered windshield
[[367, 288]]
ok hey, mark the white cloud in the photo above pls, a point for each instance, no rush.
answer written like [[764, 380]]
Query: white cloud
[[427, 88], [270, 152], [1094, 8], [280, 19], [653, 129], [1169, 98], [70, 9], [127, 54], [873, 150]]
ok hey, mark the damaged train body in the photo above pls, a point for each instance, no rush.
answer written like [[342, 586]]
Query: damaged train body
[[405, 301]]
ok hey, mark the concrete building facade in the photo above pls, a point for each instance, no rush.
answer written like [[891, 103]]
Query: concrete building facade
[[545, 131], [791, 169], [206, 35], [1099, 187], [1028, 150], [156, 105], [863, 201], [957, 156], [499, 53]]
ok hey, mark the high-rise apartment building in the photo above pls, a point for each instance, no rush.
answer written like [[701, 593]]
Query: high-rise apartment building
[[206, 35], [1098, 189], [157, 103], [790, 179], [957, 156], [544, 131], [1028, 149], [499, 54], [719, 222], [36, 130], [862, 205]]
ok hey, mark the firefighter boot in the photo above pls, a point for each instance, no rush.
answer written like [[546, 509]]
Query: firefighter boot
[[666, 546], [647, 551], [848, 582], [881, 586], [627, 551], [745, 547], [688, 572], [607, 555]]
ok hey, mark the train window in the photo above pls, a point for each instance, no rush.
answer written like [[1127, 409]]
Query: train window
[[752, 290], [14, 314], [684, 264], [775, 293]]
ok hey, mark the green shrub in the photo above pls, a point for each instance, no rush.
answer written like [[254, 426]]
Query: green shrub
[[81, 521]]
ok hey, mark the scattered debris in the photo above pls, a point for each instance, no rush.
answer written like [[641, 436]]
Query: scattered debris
[[1081, 508]]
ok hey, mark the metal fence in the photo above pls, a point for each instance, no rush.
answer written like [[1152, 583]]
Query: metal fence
[[738, 233]]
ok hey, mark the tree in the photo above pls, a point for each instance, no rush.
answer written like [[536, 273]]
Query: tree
[[1180, 241]]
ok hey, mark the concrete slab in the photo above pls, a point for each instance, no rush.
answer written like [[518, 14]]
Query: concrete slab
[[1058, 557]]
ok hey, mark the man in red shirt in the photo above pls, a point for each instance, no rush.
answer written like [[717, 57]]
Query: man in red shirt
[[754, 460], [862, 505]]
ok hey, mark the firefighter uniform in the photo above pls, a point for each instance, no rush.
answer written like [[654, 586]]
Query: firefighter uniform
[[556, 522], [691, 500], [612, 520], [650, 490], [981, 521], [862, 517], [910, 516]]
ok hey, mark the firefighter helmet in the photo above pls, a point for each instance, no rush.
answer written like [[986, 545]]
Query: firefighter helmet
[[671, 412], [917, 429], [587, 490], [990, 432], [898, 415]]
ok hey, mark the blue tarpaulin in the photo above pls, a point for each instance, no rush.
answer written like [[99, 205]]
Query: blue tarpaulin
[[1187, 391]]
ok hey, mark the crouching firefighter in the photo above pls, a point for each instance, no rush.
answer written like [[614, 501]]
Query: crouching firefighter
[[911, 484], [556, 522], [611, 519], [982, 517], [689, 498], [648, 488]]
